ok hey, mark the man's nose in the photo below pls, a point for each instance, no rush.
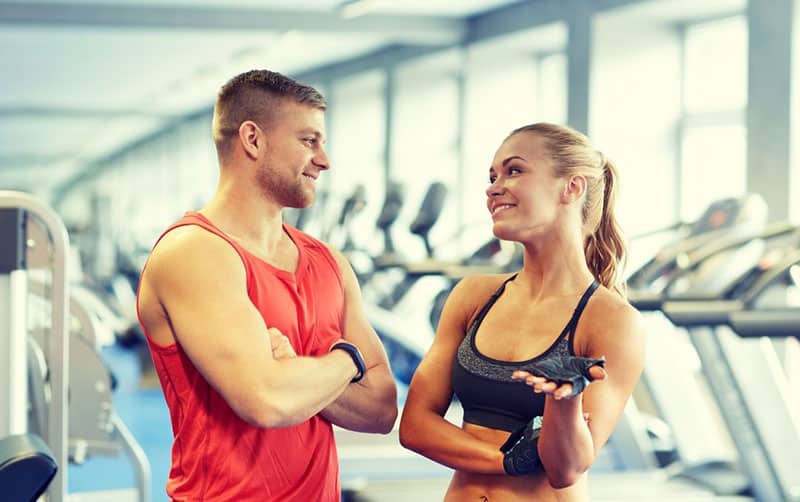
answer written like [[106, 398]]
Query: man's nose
[[321, 159]]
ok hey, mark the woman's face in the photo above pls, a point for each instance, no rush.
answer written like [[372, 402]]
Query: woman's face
[[524, 195]]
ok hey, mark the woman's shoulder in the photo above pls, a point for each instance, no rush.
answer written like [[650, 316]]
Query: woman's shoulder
[[473, 291], [479, 286], [609, 313]]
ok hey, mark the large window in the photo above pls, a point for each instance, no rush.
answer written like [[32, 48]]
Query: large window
[[425, 146], [356, 132], [500, 97], [713, 135]]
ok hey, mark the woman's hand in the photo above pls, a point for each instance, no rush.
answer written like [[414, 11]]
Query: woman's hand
[[541, 384]]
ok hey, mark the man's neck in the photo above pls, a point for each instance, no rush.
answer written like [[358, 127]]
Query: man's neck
[[253, 221]]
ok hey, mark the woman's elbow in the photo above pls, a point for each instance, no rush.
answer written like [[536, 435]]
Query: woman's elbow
[[407, 435], [563, 478], [562, 481]]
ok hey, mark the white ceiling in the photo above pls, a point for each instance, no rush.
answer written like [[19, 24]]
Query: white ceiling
[[82, 79]]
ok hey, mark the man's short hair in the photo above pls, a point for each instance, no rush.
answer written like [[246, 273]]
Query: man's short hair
[[254, 95]]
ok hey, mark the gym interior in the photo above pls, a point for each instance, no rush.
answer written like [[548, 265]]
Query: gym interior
[[105, 120]]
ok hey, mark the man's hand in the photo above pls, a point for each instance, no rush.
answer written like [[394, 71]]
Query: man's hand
[[281, 347]]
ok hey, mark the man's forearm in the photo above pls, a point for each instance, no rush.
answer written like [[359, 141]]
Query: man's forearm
[[367, 406], [298, 389]]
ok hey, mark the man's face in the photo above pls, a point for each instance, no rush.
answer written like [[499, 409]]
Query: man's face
[[294, 156]]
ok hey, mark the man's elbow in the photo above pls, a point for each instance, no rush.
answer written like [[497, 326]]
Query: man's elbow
[[386, 415], [387, 418]]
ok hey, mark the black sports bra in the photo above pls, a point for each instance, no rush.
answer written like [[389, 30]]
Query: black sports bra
[[484, 386]]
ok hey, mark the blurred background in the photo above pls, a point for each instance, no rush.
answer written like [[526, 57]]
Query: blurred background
[[105, 117]]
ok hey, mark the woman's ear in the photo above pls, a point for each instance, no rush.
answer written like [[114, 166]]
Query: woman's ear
[[574, 189]]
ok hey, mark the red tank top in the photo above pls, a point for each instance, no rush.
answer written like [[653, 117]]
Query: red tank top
[[216, 456]]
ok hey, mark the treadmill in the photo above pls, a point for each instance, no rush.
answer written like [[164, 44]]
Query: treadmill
[[745, 374], [728, 241]]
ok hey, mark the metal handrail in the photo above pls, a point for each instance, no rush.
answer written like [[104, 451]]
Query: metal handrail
[[58, 346]]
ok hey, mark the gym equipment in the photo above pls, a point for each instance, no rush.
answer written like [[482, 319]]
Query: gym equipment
[[53, 343], [747, 380], [94, 428], [26, 467], [700, 268], [17, 209]]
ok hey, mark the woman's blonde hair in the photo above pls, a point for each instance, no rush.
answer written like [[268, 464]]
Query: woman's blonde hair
[[572, 154]]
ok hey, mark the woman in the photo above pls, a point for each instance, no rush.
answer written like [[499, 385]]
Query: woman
[[552, 192]]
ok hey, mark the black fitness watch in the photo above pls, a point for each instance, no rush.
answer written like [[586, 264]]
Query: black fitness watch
[[355, 355]]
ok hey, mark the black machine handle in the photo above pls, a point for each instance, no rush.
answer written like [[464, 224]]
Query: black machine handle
[[772, 322], [645, 301], [700, 313]]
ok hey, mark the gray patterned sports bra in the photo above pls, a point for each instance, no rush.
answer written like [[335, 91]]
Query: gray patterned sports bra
[[484, 386]]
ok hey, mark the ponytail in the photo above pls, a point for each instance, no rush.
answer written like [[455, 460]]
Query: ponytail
[[605, 247]]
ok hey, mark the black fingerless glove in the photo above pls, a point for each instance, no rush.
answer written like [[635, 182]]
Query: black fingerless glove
[[569, 369], [521, 450]]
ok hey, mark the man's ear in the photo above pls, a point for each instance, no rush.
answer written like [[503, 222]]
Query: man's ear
[[250, 138], [574, 188]]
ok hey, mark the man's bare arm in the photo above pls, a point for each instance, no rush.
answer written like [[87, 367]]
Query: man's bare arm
[[199, 281], [369, 405]]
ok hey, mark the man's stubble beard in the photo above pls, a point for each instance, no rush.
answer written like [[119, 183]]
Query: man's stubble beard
[[285, 192]]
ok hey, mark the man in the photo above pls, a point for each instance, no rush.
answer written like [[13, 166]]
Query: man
[[256, 329]]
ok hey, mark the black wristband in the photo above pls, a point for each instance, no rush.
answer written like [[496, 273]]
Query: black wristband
[[355, 355]]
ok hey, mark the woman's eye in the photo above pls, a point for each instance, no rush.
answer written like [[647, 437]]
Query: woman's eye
[[492, 178], [514, 170]]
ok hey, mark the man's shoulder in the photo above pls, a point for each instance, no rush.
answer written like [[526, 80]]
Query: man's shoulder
[[186, 244]]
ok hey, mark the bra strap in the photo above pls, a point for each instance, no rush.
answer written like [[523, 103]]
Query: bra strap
[[573, 322], [479, 318]]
